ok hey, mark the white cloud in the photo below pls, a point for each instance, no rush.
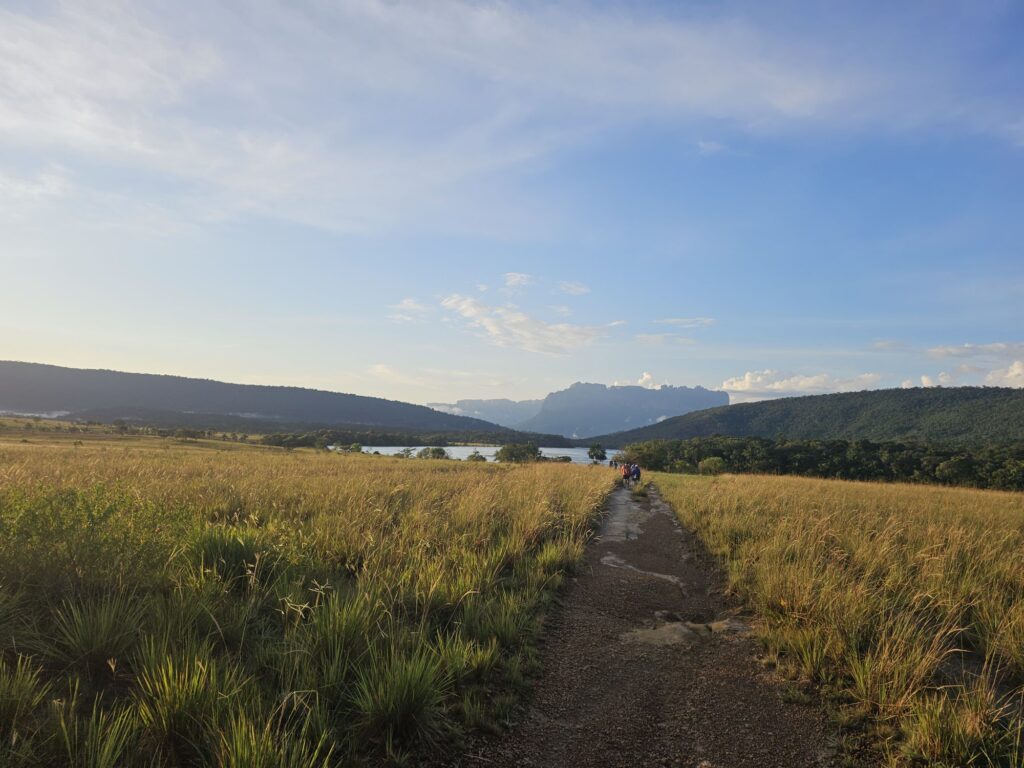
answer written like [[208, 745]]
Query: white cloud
[[907, 384], [1011, 376], [928, 381], [573, 289], [646, 380], [687, 322], [518, 280], [756, 385], [709, 147], [507, 326], [561, 309]]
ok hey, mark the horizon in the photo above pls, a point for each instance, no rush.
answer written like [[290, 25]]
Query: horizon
[[487, 200], [653, 387]]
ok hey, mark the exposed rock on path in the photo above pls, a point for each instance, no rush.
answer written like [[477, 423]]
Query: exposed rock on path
[[645, 665]]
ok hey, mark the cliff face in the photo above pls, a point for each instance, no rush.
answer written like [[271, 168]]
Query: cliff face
[[595, 409]]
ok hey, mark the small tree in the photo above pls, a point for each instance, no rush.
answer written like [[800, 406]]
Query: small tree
[[597, 452], [355, 448], [476, 456], [518, 453], [713, 465], [433, 453]]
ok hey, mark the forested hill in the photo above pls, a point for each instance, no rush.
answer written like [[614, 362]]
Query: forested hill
[[33, 388], [959, 414]]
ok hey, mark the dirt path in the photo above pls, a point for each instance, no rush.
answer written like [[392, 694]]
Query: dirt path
[[644, 665]]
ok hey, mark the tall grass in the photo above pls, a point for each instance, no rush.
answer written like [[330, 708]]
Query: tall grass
[[906, 603], [263, 608]]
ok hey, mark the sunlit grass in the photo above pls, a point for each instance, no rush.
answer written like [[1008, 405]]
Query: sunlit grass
[[905, 603], [180, 605]]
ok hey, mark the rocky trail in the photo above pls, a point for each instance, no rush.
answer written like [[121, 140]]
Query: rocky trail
[[645, 664]]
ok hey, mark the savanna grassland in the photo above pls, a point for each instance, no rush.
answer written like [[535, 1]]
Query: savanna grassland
[[903, 604], [165, 603]]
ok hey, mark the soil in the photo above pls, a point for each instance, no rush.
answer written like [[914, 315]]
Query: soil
[[646, 664]]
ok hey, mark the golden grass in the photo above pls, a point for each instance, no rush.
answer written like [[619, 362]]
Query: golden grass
[[905, 602], [196, 606]]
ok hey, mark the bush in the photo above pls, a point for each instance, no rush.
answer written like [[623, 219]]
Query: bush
[[433, 453], [715, 465], [518, 453]]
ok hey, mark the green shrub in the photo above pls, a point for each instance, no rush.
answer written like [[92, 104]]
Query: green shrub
[[22, 692], [400, 696], [183, 703], [94, 633]]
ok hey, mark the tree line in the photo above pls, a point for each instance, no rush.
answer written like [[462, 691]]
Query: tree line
[[989, 466]]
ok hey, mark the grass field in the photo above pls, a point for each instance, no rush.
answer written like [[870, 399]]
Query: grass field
[[904, 604], [168, 604]]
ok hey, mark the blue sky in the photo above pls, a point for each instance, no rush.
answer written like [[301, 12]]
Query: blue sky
[[431, 201]]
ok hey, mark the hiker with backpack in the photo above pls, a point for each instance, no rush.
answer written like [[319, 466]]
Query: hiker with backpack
[[635, 473]]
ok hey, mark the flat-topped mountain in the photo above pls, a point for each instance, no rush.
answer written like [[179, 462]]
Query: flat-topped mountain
[[34, 388], [590, 409]]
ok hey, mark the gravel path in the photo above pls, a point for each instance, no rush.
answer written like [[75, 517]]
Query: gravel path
[[645, 665]]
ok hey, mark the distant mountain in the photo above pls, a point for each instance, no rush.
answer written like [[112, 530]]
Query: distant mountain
[[33, 388], [593, 409], [954, 414], [506, 412]]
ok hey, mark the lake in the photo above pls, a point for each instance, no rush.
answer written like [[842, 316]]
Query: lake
[[578, 455]]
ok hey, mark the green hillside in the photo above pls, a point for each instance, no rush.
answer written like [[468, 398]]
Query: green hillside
[[960, 414]]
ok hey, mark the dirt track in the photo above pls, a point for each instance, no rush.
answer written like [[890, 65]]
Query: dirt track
[[645, 665]]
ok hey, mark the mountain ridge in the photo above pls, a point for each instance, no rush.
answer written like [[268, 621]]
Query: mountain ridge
[[43, 388], [954, 414]]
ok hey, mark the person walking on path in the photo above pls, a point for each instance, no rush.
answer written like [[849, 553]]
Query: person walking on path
[[635, 473], [626, 474]]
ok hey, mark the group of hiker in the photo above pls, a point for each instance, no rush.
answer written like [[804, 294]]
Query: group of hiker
[[630, 472]]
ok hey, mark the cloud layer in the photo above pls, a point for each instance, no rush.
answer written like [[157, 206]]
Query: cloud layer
[[361, 115]]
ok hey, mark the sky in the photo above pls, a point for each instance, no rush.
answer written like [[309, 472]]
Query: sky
[[444, 200]]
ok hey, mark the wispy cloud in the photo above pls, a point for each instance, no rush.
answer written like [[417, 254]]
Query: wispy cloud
[[518, 280], [998, 350], [408, 310], [661, 339], [687, 322], [709, 147], [507, 326], [573, 289], [52, 182], [228, 116]]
